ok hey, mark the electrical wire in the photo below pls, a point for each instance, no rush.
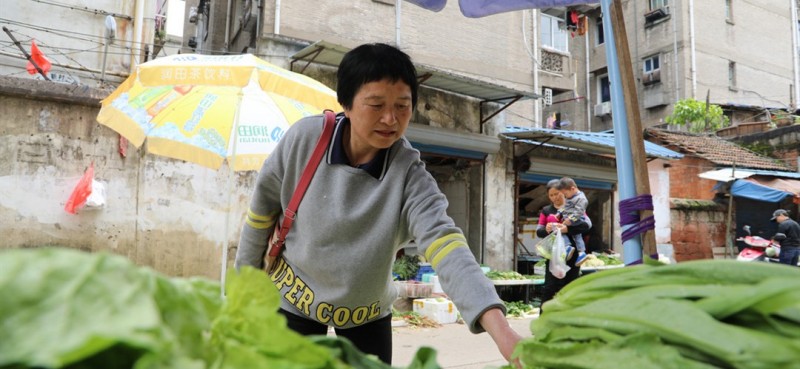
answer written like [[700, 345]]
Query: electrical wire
[[85, 9]]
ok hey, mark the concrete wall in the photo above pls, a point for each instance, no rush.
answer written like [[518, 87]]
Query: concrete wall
[[72, 37], [758, 39], [490, 48], [697, 227], [173, 216]]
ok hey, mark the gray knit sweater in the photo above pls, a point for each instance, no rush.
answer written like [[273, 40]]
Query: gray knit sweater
[[337, 264]]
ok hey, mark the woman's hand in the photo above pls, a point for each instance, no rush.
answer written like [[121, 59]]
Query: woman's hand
[[562, 228], [506, 338]]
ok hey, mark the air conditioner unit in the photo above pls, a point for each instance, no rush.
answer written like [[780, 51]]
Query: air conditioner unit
[[602, 109], [656, 14], [548, 96], [651, 77]]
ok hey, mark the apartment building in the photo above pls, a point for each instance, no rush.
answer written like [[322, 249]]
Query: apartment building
[[738, 54]]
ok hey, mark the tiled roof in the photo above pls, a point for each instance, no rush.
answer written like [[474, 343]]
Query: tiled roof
[[714, 149]]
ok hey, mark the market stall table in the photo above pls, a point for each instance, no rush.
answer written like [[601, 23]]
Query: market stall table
[[510, 284]]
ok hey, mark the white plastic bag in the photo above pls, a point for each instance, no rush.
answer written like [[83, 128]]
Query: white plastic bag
[[558, 262], [97, 199], [545, 246]]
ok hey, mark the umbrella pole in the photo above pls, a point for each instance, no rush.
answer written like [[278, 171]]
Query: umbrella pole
[[231, 172]]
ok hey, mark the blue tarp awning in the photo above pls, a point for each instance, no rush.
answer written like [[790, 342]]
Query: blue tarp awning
[[755, 191]]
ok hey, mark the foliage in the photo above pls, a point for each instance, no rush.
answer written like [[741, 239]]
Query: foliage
[[760, 148], [65, 308], [406, 267], [697, 116], [517, 308]]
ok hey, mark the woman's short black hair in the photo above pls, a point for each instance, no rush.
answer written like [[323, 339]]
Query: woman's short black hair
[[370, 63]]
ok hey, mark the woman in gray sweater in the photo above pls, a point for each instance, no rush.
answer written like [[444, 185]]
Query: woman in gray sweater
[[369, 196]]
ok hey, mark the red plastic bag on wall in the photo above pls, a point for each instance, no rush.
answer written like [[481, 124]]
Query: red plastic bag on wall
[[82, 190]]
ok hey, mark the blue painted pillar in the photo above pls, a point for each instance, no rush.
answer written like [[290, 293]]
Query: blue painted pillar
[[632, 249]]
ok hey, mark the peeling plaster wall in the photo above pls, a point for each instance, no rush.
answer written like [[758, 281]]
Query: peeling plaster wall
[[170, 215], [173, 216], [499, 205], [659, 189]]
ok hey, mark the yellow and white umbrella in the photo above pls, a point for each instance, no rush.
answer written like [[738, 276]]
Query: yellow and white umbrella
[[208, 108]]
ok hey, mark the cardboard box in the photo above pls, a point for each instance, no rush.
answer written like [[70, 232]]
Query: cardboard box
[[439, 309]]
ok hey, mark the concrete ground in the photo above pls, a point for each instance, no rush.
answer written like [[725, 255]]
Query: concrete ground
[[455, 346]]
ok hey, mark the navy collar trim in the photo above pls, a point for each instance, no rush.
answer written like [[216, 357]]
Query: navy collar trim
[[376, 167]]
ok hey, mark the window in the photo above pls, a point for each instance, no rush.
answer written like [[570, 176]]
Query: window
[[732, 75], [729, 11], [651, 68], [601, 37], [604, 88], [554, 35], [658, 4], [651, 64]]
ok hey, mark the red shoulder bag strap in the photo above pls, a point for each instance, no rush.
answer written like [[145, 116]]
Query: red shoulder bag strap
[[291, 211]]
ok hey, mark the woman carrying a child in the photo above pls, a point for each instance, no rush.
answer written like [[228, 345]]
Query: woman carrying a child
[[548, 221]]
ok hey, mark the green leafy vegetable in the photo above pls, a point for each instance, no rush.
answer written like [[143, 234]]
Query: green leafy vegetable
[[699, 314], [62, 308]]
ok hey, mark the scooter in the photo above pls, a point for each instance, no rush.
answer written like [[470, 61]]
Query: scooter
[[758, 248]]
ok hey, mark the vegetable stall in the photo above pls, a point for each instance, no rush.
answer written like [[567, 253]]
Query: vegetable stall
[[696, 314], [63, 308]]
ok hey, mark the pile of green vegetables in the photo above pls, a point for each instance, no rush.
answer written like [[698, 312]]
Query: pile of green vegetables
[[406, 267], [697, 314], [64, 308]]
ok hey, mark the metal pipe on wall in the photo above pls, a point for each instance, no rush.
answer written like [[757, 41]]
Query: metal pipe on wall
[[675, 57], [537, 105], [588, 93], [693, 50], [277, 27], [795, 59], [228, 28], [138, 18], [397, 22]]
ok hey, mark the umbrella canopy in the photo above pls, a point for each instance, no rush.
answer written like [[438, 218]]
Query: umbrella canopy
[[207, 108]]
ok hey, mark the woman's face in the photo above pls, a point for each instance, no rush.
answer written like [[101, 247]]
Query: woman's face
[[379, 116], [555, 197]]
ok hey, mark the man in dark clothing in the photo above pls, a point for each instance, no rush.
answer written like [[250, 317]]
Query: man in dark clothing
[[790, 246]]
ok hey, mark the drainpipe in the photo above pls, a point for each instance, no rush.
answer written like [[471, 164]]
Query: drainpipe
[[259, 12], [397, 22], [537, 105], [795, 57], [588, 92], [693, 56], [675, 56], [136, 45], [228, 28], [277, 29]]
